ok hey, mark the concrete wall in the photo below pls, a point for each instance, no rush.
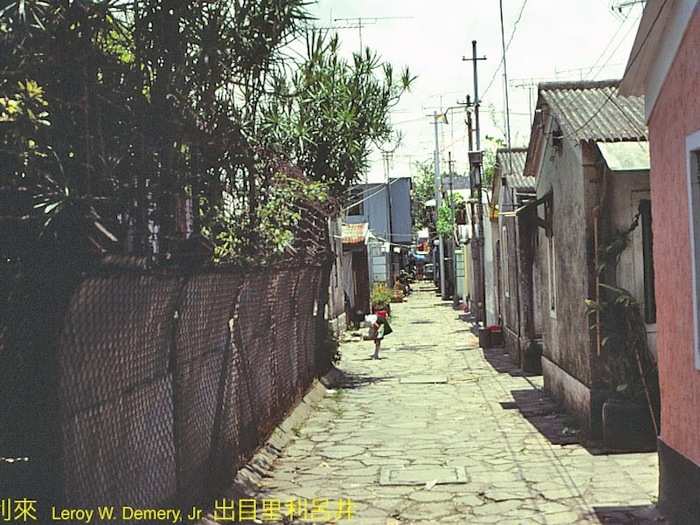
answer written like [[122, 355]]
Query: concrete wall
[[529, 310], [496, 288], [336, 294], [521, 306], [568, 342], [489, 274], [509, 280], [676, 115]]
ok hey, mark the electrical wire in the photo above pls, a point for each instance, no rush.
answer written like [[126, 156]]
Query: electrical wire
[[629, 29], [372, 195], [633, 59], [607, 46], [510, 40]]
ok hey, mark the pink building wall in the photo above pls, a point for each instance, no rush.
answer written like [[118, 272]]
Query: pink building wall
[[676, 115]]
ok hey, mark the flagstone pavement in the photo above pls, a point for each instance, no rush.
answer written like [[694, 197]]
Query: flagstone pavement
[[441, 431]]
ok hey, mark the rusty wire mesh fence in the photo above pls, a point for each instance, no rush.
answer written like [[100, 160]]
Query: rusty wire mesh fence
[[159, 384]]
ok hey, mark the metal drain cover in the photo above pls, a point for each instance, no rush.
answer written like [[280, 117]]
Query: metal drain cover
[[423, 380], [392, 475]]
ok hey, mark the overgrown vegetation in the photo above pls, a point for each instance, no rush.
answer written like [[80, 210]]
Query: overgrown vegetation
[[423, 190], [493, 144], [446, 217], [628, 364], [136, 124]]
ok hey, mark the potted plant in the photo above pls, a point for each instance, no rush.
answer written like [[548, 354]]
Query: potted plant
[[630, 413]]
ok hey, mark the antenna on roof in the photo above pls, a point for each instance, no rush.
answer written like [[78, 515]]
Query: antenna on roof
[[619, 6], [361, 21]]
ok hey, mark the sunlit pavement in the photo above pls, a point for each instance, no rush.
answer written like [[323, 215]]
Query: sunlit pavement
[[434, 433]]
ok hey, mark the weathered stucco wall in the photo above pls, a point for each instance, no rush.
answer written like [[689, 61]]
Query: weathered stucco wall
[[567, 339], [497, 291], [676, 115], [509, 261]]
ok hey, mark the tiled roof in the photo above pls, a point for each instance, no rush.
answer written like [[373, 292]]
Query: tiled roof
[[511, 164], [595, 110], [355, 233]]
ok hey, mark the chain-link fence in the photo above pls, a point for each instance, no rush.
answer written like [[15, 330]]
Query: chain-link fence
[[155, 385]]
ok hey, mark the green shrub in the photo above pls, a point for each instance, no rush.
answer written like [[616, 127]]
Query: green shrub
[[381, 295]]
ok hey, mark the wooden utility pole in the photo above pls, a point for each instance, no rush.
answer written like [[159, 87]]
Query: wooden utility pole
[[455, 236], [475, 162], [505, 76], [438, 204]]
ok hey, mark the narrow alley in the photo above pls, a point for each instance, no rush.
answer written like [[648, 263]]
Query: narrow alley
[[440, 431]]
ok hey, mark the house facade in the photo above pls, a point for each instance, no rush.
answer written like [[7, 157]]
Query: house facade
[[516, 282], [664, 66], [386, 209], [589, 155], [355, 271]]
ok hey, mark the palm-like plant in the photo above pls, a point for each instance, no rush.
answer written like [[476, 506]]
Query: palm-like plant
[[116, 112]]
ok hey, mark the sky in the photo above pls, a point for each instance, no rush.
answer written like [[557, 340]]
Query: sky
[[551, 40]]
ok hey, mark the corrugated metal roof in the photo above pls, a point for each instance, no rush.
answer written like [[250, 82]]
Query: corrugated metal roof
[[595, 110], [511, 164], [355, 233]]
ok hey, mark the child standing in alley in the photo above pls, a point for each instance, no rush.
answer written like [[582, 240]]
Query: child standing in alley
[[378, 329]]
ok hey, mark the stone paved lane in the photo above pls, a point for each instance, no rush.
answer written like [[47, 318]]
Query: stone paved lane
[[436, 408]]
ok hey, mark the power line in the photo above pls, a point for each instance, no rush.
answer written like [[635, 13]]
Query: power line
[[505, 69], [632, 26], [372, 195], [510, 40], [607, 46], [633, 59]]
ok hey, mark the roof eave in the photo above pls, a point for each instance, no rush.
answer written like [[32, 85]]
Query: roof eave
[[643, 50]]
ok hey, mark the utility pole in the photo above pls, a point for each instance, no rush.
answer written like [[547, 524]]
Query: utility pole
[[438, 204], [455, 237], [505, 75], [475, 161], [387, 155], [472, 208]]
